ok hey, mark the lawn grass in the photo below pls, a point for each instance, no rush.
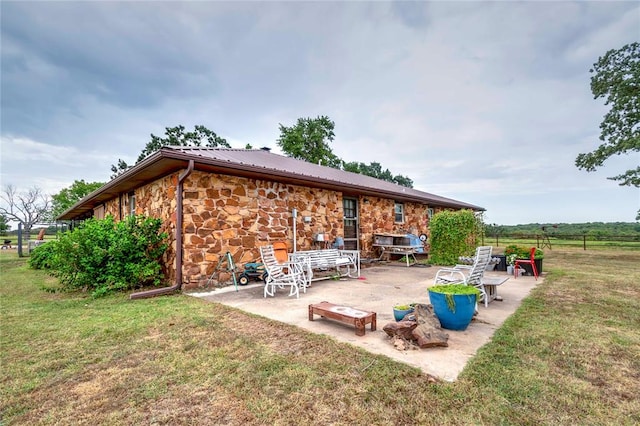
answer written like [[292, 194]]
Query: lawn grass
[[569, 355]]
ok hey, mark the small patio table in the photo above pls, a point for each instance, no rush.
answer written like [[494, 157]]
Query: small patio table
[[491, 287], [345, 314]]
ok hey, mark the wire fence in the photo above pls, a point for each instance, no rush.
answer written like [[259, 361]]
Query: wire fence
[[25, 242], [583, 241]]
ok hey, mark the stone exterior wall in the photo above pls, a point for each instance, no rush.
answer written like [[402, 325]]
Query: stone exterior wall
[[226, 213], [112, 208], [158, 200], [238, 215], [377, 215]]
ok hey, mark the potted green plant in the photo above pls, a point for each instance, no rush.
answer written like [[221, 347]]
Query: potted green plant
[[511, 260], [522, 252], [454, 304], [399, 311]]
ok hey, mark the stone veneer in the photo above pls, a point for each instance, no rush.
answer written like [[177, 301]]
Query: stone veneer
[[238, 215], [377, 215], [157, 199]]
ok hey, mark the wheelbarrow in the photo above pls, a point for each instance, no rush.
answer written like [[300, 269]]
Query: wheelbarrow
[[252, 271]]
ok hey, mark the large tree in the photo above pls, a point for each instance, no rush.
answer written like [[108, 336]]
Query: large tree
[[175, 136], [617, 79], [309, 139], [28, 207], [67, 197], [375, 170]]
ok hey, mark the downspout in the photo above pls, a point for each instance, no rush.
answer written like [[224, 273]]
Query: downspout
[[178, 284], [294, 214]]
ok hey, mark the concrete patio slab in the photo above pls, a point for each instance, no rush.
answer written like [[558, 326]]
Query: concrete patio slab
[[378, 289]]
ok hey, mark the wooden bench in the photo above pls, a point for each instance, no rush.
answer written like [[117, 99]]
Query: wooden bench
[[356, 317], [344, 262]]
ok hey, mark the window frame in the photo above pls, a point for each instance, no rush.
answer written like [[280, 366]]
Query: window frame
[[398, 206], [132, 204]]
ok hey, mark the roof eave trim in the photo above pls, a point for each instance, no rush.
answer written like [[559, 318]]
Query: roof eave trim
[[113, 182]]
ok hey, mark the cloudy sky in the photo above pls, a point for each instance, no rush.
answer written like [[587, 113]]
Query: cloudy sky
[[484, 102]]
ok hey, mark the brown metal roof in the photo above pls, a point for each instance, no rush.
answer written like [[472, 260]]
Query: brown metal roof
[[253, 163]]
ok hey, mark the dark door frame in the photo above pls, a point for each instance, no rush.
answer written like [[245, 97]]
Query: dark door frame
[[348, 241]]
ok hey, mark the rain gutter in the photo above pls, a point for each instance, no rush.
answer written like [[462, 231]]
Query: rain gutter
[[179, 214]]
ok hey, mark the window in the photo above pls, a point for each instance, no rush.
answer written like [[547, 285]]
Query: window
[[399, 213], [349, 207], [132, 204], [98, 212]]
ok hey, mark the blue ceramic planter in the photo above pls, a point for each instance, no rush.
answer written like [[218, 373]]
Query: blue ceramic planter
[[398, 314], [464, 306]]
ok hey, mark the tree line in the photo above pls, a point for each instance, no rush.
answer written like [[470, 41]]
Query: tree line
[[307, 140], [602, 229]]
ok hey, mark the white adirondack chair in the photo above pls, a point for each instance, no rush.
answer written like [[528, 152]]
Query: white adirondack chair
[[281, 275], [468, 274]]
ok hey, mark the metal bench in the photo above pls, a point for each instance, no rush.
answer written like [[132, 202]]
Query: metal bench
[[346, 263]]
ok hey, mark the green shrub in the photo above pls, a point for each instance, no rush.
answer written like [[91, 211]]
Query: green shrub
[[453, 234], [522, 252], [43, 256], [103, 256]]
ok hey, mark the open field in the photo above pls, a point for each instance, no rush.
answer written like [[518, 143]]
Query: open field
[[578, 242], [569, 355]]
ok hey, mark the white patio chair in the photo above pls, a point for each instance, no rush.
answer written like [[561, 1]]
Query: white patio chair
[[468, 274], [281, 274]]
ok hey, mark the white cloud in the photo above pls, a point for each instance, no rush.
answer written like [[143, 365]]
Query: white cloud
[[480, 102], [27, 163]]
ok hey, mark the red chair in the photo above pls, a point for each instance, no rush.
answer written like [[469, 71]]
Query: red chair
[[531, 262]]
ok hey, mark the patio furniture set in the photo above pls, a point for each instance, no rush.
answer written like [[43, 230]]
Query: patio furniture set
[[296, 271]]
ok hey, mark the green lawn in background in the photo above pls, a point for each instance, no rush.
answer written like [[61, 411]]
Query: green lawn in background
[[569, 355], [562, 244]]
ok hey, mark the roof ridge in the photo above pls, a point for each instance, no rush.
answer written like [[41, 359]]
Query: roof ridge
[[366, 180], [210, 148], [258, 164]]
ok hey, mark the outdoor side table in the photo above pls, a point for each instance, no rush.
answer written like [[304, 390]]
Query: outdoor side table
[[491, 288], [348, 315]]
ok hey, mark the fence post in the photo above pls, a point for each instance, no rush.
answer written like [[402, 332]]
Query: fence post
[[584, 242], [20, 239]]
